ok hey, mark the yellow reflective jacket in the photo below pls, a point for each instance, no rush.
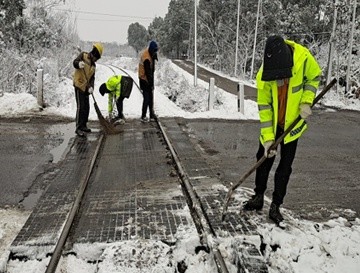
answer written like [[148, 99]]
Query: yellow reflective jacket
[[85, 77], [113, 84], [302, 88]]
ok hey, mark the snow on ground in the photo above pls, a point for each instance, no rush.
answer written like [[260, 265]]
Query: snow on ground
[[11, 221], [305, 247]]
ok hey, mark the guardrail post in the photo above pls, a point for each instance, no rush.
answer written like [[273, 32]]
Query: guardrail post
[[241, 98], [211, 93], [40, 87]]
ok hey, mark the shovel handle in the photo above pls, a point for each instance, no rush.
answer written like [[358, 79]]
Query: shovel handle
[[276, 143], [292, 125]]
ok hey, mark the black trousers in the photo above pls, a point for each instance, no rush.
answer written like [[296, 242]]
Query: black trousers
[[119, 106], [82, 109], [148, 101], [282, 173]]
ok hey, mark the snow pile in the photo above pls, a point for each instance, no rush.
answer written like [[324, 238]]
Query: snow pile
[[11, 222], [313, 248], [174, 96], [13, 104], [338, 100]]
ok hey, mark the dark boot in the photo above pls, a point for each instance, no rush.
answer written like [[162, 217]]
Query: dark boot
[[255, 203], [80, 133], [122, 117], [85, 129], [274, 213]]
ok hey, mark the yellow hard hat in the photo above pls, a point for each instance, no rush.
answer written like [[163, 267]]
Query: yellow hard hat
[[99, 48]]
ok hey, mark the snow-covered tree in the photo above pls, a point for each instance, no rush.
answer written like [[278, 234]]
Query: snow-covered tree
[[137, 36], [11, 18], [33, 35], [176, 28]]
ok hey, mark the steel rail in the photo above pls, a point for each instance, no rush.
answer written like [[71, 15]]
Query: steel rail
[[54, 260], [207, 235], [206, 230], [123, 70], [203, 223]]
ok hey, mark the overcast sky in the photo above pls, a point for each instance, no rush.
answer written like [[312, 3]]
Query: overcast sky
[[108, 20]]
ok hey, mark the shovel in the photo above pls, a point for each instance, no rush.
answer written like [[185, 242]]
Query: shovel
[[262, 159]]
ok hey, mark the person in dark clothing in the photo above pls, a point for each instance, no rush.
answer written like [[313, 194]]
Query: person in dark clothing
[[83, 81], [287, 83], [146, 78]]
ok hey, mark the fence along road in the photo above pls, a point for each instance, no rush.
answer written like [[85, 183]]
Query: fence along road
[[221, 82]]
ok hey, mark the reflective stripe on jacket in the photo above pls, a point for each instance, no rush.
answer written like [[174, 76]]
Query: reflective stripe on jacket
[[113, 84], [84, 78], [303, 85]]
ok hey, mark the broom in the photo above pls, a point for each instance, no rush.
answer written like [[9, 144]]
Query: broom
[[107, 126]]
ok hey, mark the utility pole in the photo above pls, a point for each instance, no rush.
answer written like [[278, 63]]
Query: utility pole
[[195, 44], [332, 44], [189, 50], [350, 47], [237, 39], [256, 27]]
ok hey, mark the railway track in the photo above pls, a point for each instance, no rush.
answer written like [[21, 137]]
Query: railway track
[[207, 235], [73, 224]]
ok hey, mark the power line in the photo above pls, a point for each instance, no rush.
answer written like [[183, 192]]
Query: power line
[[307, 33], [105, 20], [106, 14]]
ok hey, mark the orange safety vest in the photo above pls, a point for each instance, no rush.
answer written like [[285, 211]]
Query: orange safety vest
[[144, 55]]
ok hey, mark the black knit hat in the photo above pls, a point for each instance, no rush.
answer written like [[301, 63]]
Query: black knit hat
[[278, 59], [95, 53], [153, 47], [103, 89]]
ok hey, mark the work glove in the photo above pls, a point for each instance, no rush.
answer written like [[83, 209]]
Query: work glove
[[269, 153], [81, 64], [305, 110], [90, 90]]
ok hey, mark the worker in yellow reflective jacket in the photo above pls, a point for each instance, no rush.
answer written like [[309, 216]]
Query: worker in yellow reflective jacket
[[287, 83], [118, 88], [83, 81]]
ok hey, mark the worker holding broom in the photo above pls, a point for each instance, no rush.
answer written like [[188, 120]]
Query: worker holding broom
[[118, 88], [287, 83], [83, 81], [146, 79]]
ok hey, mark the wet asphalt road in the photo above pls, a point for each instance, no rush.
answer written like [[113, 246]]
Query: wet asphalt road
[[325, 178], [30, 148], [326, 171], [324, 182]]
